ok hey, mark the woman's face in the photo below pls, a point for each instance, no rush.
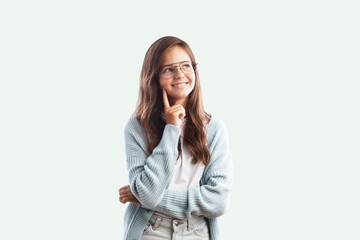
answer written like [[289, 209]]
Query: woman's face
[[177, 75]]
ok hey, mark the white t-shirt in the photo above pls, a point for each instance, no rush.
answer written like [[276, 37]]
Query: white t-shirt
[[186, 174]]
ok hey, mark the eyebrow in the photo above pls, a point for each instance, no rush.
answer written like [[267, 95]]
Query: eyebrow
[[174, 63]]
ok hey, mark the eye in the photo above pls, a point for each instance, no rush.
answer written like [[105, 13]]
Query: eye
[[186, 66], [167, 70]]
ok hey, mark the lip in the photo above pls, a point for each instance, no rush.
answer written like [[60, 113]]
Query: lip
[[179, 84]]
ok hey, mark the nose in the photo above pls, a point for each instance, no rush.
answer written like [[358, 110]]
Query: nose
[[178, 72]]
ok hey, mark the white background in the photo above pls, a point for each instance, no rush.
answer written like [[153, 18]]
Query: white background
[[283, 76]]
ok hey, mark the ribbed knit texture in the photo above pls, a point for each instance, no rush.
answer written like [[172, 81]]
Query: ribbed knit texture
[[150, 175]]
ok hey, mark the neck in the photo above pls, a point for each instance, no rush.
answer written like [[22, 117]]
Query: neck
[[182, 102]]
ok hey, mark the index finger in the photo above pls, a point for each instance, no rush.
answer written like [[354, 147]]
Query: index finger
[[124, 188], [165, 100]]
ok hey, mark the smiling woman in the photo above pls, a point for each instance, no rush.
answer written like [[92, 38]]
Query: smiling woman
[[178, 157]]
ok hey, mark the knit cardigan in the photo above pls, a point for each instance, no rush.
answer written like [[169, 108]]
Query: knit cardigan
[[150, 175]]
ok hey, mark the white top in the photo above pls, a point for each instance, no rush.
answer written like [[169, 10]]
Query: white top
[[186, 174]]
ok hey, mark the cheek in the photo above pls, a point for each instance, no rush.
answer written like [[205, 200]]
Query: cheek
[[193, 82], [162, 83]]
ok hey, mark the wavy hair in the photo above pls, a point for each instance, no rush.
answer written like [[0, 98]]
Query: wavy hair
[[150, 106]]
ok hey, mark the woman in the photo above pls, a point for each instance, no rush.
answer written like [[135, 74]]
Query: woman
[[178, 157]]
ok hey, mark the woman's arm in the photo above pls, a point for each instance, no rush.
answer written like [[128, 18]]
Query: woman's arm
[[150, 175]]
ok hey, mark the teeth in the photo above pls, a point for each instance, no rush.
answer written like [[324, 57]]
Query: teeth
[[179, 85]]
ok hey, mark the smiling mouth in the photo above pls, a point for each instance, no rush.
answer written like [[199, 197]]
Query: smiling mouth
[[179, 85]]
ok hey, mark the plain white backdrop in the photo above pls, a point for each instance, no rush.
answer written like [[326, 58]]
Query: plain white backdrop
[[283, 75]]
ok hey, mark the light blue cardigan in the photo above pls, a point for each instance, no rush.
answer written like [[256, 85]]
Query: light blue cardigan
[[150, 175]]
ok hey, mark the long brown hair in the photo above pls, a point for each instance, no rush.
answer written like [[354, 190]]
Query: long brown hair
[[149, 110]]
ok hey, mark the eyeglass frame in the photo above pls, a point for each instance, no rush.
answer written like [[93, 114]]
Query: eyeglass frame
[[177, 66]]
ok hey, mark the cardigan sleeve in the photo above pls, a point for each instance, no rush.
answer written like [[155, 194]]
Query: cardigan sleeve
[[211, 199], [149, 175]]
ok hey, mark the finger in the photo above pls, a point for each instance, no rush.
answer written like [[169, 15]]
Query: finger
[[177, 110], [126, 192], [182, 116], [124, 187], [174, 109], [165, 100], [133, 199], [125, 199], [121, 199], [129, 199], [125, 195]]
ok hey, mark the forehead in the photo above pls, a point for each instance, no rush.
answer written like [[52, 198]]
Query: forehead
[[175, 54]]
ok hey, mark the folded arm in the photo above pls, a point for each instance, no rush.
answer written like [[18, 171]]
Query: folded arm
[[212, 197], [149, 175]]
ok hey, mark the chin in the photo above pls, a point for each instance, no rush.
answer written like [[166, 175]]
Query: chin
[[180, 96]]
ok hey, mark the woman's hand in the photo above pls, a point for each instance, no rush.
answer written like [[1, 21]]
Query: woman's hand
[[125, 195], [173, 114]]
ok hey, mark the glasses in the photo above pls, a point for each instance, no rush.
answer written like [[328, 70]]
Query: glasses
[[168, 71]]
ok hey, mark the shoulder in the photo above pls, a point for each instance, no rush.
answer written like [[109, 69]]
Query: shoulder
[[215, 124], [216, 131], [133, 126], [132, 122]]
